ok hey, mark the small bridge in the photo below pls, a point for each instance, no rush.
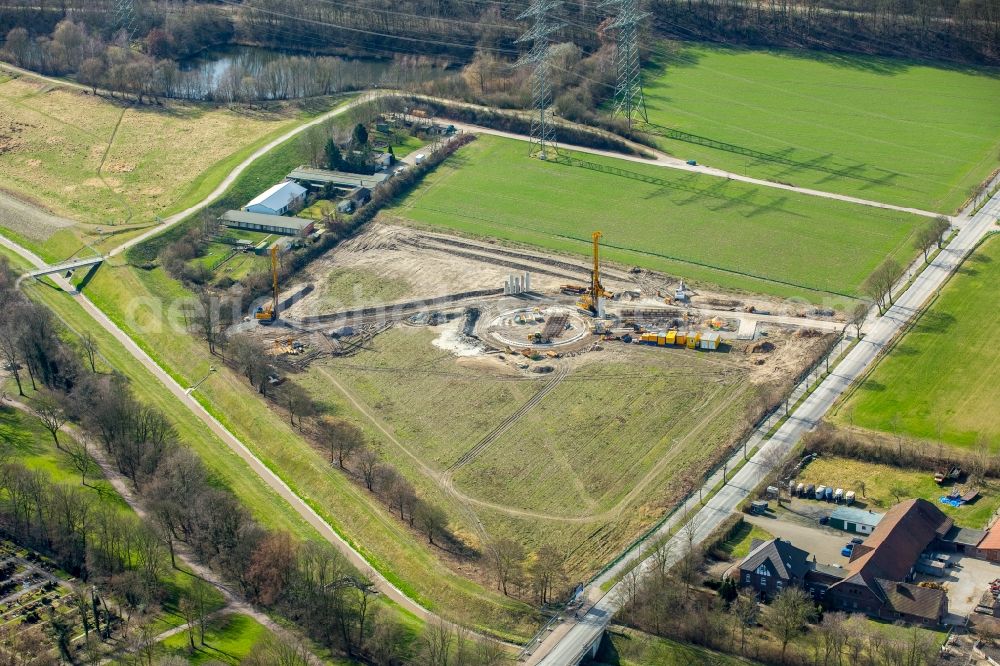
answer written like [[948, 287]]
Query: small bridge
[[71, 265]]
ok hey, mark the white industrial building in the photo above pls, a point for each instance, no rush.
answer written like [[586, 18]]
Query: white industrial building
[[278, 200]]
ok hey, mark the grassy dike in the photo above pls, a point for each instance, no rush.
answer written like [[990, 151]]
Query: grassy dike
[[143, 304], [227, 469]]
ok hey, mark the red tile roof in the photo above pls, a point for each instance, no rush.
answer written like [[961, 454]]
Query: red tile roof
[[898, 540]]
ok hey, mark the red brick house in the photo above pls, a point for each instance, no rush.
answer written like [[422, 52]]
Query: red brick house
[[876, 580]]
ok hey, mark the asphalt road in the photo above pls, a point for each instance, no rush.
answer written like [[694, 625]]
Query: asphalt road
[[565, 647]]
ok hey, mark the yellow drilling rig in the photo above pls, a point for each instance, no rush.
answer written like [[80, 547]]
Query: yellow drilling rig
[[592, 298], [271, 312]]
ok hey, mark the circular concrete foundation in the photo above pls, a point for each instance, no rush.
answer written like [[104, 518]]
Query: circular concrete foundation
[[519, 328]]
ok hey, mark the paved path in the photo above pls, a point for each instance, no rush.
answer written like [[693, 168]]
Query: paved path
[[661, 159], [822, 542], [259, 468], [567, 645], [564, 646]]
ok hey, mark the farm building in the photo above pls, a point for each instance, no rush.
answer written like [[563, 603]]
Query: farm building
[[875, 580], [275, 224], [773, 565], [278, 199], [989, 547], [346, 182], [850, 519]]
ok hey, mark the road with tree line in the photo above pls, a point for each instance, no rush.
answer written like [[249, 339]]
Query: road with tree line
[[567, 644], [599, 614]]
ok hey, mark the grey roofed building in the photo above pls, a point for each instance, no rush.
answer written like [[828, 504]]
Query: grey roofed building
[[275, 224], [278, 199], [851, 519], [773, 565], [341, 180], [962, 539], [912, 602]]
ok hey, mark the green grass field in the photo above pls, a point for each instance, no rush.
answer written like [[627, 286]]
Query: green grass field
[[126, 293], [593, 464], [879, 480], [228, 640], [738, 545], [697, 227], [877, 128], [590, 441], [940, 381]]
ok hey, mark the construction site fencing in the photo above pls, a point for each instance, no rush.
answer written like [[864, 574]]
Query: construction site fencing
[[760, 431]]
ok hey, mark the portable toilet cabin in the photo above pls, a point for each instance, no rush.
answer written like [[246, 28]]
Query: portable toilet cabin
[[671, 337], [849, 497], [838, 495], [820, 492], [791, 488], [828, 494], [661, 339], [800, 489], [648, 338], [693, 340], [808, 492], [710, 341], [682, 337]]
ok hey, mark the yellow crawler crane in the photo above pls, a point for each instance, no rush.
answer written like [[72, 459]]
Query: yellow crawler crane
[[271, 313], [597, 291]]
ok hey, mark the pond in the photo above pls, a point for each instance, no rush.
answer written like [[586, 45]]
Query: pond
[[241, 73]]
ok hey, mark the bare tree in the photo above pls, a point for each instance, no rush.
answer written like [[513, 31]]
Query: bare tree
[[547, 572], [367, 465], [49, 410], [788, 614], [746, 610], [432, 520], [79, 456], [940, 227], [858, 316], [341, 438], [508, 561], [89, 345], [10, 348]]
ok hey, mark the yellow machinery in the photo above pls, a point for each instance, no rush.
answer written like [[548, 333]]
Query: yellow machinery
[[596, 291], [271, 313]]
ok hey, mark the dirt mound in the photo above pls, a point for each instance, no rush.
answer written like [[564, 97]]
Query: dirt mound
[[763, 347]]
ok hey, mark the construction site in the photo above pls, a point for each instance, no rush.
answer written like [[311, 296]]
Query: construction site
[[579, 399]]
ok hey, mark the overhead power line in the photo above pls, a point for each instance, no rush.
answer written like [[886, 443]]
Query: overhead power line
[[541, 13], [628, 18], [125, 17]]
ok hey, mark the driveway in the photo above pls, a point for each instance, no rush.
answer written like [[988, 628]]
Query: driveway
[[966, 582], [822, 542]]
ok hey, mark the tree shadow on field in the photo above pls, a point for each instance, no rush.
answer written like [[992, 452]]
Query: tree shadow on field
[[905, 350], [935, 323], [872, 386], [871, 64]]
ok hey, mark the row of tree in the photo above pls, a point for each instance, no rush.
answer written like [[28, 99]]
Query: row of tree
[[669, 601], [307, 582], [73, 50]]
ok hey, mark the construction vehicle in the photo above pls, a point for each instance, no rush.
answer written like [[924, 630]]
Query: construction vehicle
[[266, 316], [591, 301]]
